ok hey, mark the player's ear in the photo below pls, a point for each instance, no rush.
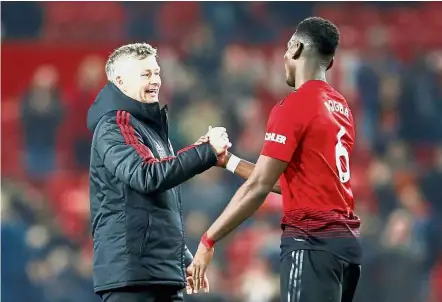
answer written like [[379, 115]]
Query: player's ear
[[299, 47], [330, 65]]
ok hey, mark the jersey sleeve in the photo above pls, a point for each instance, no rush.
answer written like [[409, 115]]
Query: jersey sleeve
[[285, 128]]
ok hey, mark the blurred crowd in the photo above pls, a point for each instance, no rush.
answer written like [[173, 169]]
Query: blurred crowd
[[222, 64]]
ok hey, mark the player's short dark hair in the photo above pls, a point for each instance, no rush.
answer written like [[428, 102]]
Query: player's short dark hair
[[322, 34]]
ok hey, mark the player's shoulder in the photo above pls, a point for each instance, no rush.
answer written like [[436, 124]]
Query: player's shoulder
[[305, 96], [288, 100], [315, 89], [321, 93], [312, 90]]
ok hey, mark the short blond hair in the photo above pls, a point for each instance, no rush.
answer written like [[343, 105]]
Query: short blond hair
[[137, 51]]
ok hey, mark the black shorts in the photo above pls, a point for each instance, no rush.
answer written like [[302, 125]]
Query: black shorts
[[157, 293], [313, 276]]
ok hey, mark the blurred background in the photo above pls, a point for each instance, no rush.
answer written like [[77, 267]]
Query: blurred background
[[222, 64]]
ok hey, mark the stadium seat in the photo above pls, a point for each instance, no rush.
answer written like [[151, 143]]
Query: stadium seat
[[76, 20]]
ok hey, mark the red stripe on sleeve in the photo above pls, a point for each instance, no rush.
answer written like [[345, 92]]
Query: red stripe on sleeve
[[120, 124], [128, 133], [131, 134], [186, 149], [141, 148]]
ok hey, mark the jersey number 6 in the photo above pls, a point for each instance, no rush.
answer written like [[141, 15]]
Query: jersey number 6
[[340, 151]]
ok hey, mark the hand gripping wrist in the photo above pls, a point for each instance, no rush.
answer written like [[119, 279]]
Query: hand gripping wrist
[[207, 242]]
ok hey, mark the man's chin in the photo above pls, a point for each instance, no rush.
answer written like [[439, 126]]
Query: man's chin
[[150, 100]]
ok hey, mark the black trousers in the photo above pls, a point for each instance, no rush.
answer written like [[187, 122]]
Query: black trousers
[[317, 276], [156, 293]]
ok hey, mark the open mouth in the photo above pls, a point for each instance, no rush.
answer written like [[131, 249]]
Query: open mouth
[[152, 92]]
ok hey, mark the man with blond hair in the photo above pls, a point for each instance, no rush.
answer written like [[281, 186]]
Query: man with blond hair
[[137, 225]]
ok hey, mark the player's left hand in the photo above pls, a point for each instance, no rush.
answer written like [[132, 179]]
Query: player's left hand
[[200, 262], [190, 287]]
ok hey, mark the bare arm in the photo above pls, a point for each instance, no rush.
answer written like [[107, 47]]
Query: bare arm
[[244, 203], [245, 170], [249, 197]]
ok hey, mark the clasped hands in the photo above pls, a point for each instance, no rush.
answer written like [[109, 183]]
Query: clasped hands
[[218, 139]]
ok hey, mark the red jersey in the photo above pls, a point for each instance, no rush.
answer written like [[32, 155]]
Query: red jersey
[[312, 129]]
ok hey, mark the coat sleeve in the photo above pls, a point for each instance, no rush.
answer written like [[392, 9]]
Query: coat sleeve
[[125, 155]]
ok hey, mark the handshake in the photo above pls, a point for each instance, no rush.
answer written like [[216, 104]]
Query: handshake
[[218, 139]]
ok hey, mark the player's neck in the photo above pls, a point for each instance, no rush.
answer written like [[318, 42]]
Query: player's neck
[[309, 73]]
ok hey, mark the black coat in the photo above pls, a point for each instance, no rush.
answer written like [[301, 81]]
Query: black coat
[[137, 224]]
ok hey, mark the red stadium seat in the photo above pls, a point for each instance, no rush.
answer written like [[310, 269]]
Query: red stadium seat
[[12, 150], [338, 15], [76, 20], [365, 16], [433, 19], [176, 19], [404, 16]]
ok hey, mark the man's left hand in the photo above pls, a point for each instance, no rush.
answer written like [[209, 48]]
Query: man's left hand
[[199, 265], [190, 287]]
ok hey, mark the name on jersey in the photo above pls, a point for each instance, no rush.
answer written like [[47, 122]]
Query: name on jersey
[[277, 138], [334, 106]]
